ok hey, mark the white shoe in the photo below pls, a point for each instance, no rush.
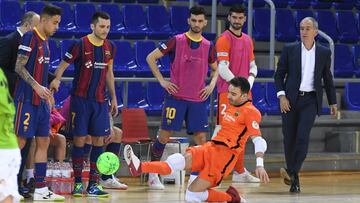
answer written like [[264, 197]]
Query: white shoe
[[132, 161], [113, 183], [245, 177], [22, 199], [154, 182], [44, 194]]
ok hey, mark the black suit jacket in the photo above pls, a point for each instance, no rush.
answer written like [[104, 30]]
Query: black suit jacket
[[8, 54], [288, 74]]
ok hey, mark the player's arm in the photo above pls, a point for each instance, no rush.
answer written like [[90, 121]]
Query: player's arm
[[111, 87], [54, 85], [223, 56], [253, 68]]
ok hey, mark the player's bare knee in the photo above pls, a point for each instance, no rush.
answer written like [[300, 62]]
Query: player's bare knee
[[200, 138], [79, 141], [97, 141], [164, 136], [42, 142]]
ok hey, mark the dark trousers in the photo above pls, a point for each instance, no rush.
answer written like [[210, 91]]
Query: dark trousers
[[296, 127]]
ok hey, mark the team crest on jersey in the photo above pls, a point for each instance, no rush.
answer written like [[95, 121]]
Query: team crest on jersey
[[107, 53], [26, 128], [255, 125], [88, 64]]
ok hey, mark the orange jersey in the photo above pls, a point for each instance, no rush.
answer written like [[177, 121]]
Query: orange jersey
[[238, 124]]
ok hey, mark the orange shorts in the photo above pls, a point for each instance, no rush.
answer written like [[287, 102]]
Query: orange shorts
[[212, 161], [223, 103]]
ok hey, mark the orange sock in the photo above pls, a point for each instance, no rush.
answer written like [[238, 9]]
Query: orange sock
[[217, 196], [160, 167], [239, 166]]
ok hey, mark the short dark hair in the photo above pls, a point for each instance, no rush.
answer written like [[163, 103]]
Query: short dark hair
[[99, 14], [51, 10], [27, 17], [237, 8], [197, 10], [241, 83]]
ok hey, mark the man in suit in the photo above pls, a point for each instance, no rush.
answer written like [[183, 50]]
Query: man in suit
[[298, 78], [9, 47]]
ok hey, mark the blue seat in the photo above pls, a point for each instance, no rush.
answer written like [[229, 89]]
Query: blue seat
[[265, 72], [165, 64], [178, 18], [155, 95], [327, 23], [344, 5], [64, 47], [101, 1], [258, 97], [206, 2], [285, 26], [83, 13], [142, 49], [125, 1], [148, 1], [117, 27], [280, 3], [55, 57], [320, 4], [159, 22], [299, 4], [67, 25], [347, 27], [343, 63], [299, 15], [135, 22], [352, 96], [356, 52], [261, 30], [63, 93], [34, 6], [119, 93], [136, 96], [10, 16], [271, 99], [124, 62], [256, 3]]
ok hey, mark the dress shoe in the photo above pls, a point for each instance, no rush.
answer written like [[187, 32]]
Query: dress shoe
[[286, 175], [295, 185]]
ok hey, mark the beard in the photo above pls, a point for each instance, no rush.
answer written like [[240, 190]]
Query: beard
[[195, 30], [236, 26], [99, 36]]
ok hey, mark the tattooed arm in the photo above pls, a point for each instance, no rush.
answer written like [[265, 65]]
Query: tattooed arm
[[20, 69]]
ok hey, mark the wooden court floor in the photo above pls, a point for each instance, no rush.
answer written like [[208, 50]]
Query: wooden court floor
[[327, 187]]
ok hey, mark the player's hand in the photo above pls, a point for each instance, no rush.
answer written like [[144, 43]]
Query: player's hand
[[113, 108], [262, 174], [206, 92], [170, 87], [284, 104], [43, 92], [55, 84], [333, 110]]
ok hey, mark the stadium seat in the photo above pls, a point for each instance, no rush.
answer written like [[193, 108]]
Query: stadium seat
[[285, 26], [148, 1], [280, 3], [352, 96], [159, 22], [117, 28], [119, 92], [178, 18], [271, 99], [34, 6], [136, 96], [320, 4], [55, 57], [299, 15], [299, 4], [261, 30], [63, 93], [124, 62], [10, 20], [64, 47], [206, 2], [125, 1], [67, 26], [155, 95], [347, 27], [343, 63], [134, 21], [142, 49], [83, 13], [356, 52], [258, 97], [165, 64], [344, 5], [265, 72], [327, 23], [101, 1], [76, 0], [256, 3]]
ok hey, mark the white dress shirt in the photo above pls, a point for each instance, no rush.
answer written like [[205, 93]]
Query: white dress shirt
[[307, 70]]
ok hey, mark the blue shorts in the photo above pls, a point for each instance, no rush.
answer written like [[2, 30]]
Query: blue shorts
[[32, 120], [88, 117], [175, 111]]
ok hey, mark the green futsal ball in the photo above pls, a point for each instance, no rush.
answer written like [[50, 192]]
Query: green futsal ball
[[107, 163]]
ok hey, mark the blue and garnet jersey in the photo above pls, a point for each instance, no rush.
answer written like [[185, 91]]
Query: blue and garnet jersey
[[91, 63], [36, 47]]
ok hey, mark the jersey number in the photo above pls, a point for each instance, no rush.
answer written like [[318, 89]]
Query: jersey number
[[73, 119], [223, 109], [170, 113], [26, 121]]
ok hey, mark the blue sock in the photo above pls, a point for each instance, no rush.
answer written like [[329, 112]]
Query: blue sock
[[87, 149], [40, 173], [94, 173], [77, 156], [114, 148], [157, 150]]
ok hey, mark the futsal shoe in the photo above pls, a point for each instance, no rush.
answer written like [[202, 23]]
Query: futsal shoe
[[154, 182], [79, 190], [132, 161], [236, 198], [113, 183], [44, 194], [244, 177], [96, 190], [285, 174]]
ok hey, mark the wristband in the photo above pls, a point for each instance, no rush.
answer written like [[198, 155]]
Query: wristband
[[259, 161]]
